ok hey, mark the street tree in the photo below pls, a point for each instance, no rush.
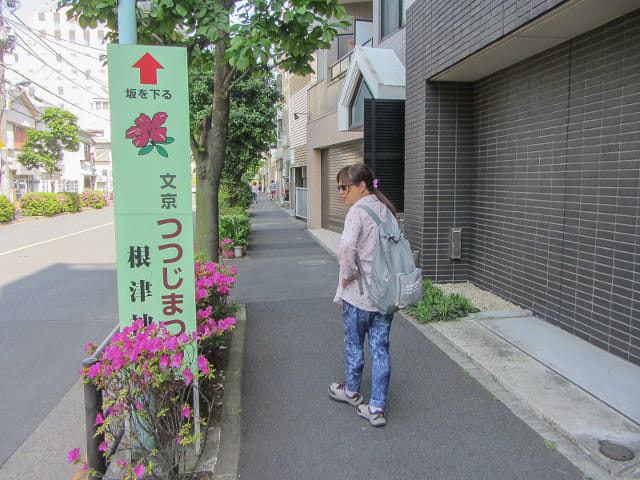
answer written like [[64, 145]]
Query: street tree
[[245, 36], [45, 148], [254, 105]]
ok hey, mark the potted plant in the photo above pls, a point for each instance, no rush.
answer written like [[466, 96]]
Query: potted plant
[[239, 247]]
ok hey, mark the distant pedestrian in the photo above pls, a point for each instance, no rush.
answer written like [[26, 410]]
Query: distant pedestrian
[[254, 192], [272, 188], [357, 186]]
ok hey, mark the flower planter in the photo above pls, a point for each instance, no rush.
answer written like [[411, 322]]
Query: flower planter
[[238, 251]]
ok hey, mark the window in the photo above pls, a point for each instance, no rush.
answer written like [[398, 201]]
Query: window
[[60, 90], [19, 137], [57, 35], [56, 18], [41, 16], [15, 57], [98, 105], [100, 35], [356, 111], [72, 35], [87, 37], [393, 16], [87, 74], [105, 105], [345, 44], [58, 57]]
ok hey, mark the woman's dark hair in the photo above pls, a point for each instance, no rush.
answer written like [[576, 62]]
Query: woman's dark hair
[[359, 172]]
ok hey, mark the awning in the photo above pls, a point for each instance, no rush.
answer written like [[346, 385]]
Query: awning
[[383, 72]]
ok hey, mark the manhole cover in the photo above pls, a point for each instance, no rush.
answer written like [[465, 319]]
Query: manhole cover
[[615, 452], [312, 262]]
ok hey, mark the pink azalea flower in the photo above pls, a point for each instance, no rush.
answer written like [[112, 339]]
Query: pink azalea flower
[[103, 447], [148, 129], [176, 360], [164, 361], [186, 411], [94, 371], [99, 419], [203, 365], [139, 471], [188, 376], [118, 363], [74, 456]]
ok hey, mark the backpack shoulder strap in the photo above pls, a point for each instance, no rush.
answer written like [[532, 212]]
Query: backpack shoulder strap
[[370, 211]]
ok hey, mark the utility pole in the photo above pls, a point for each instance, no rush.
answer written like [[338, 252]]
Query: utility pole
[[7, 43], [4, 161]]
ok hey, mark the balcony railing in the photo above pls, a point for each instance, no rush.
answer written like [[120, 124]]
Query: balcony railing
[[340, 66]]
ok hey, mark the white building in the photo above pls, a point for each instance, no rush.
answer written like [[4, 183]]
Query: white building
[[59, 64]]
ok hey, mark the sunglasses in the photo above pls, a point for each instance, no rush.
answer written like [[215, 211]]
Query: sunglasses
[[344, 187]]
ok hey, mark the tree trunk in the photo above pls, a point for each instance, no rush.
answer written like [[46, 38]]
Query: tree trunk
[[209, 163]]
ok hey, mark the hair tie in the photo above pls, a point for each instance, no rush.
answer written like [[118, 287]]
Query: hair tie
[[375, 183]]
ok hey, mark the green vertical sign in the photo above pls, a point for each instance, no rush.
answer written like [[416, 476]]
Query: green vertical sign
[[148, 93]]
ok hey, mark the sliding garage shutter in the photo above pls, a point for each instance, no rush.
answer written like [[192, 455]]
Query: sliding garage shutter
[[384, 146], [333, 159]]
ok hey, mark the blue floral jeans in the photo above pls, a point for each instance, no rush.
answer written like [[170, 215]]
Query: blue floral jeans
[[357, 323]]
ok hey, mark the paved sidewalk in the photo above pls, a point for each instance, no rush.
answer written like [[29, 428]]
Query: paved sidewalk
[[465, 400]]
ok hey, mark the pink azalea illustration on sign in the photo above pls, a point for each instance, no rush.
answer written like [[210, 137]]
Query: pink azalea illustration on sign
[[148, 134]]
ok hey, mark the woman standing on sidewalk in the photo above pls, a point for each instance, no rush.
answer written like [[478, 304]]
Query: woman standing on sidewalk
[[357, 186]]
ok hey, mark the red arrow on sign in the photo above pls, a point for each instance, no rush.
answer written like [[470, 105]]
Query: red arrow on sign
[[148, 66]]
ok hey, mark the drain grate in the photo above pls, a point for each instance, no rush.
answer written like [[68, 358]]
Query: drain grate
[[615, 452]]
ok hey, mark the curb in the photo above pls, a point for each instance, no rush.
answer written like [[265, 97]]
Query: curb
[[229, 450]]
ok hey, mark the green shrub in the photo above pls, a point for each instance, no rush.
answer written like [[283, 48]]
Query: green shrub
[[41, 204], [235, 227], [435, 306], [70, 202], [93, 199], [7, 210], [235, 195]]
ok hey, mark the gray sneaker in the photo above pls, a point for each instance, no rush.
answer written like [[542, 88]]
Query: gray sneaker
[[375, 419], [338, 392]]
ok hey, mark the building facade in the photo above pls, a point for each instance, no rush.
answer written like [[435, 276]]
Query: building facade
[[523, 130], [55, 63], [365, 64]]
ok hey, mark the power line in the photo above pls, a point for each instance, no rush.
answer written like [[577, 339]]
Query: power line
[[55, 94], [38, 39], [44, 62], [59, 40]]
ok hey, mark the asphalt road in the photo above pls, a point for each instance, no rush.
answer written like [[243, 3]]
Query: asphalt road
[[57, 293]]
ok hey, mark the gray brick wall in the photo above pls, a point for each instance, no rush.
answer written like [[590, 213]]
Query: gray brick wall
[[551, 197], [454, 29]]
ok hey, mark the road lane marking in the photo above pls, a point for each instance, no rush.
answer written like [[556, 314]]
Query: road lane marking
[[56, 238]]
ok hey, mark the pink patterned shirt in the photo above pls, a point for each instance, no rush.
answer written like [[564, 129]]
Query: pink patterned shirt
[[359, 235]]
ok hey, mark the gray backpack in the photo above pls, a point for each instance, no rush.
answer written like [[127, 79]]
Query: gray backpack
[[396, 283]]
